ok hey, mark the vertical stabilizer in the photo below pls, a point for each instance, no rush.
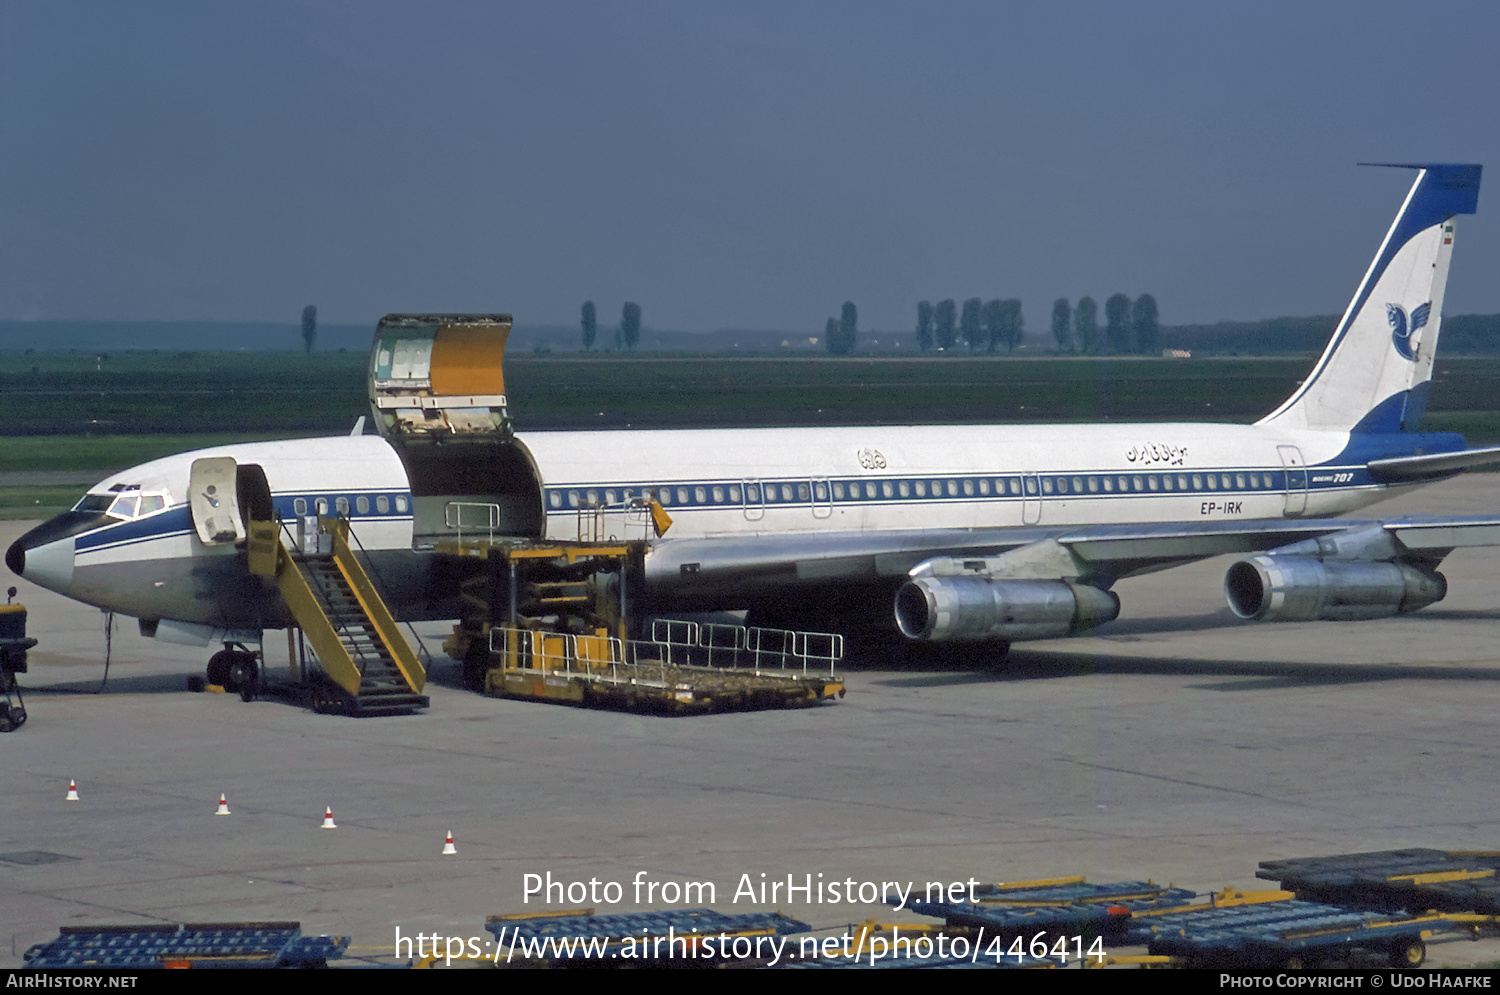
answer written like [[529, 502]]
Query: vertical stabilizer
[[1373, 376]]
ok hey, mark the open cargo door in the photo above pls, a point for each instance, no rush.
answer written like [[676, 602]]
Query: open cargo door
[[437, 390], [435, 375]]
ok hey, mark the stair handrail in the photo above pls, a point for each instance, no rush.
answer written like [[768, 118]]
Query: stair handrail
[[350, 644], [380, 582]]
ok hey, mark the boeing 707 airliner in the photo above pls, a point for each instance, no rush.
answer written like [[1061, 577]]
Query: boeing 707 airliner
[[966, 533]]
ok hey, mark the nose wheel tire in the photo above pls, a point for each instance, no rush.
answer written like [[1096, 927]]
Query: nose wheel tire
[[244, 674], [217, 673], [236, 671]]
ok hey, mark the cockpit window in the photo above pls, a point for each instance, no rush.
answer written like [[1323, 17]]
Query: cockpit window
[[130, 504]]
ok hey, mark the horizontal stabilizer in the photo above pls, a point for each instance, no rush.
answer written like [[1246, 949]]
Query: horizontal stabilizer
[[1407, 469]]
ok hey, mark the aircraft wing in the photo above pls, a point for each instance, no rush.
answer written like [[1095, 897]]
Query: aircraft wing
[[1382, 561]]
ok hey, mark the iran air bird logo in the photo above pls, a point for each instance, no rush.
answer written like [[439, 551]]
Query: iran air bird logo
[[1401, 335]]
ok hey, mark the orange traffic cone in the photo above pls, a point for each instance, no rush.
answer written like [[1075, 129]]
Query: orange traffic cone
[[328, 820], [448, 848], [72, 791], [223, 806]]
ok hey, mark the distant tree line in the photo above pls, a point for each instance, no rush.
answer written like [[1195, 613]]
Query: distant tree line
[[986, 325], [840, 333], [1129, 327], [627, 335]]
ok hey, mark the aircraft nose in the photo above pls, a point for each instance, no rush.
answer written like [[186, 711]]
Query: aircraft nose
[[43, 560]]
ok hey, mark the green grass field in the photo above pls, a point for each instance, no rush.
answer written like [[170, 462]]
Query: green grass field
[[79, 412], [135, 393]]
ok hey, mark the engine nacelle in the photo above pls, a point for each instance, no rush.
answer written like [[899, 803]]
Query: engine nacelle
[[1301, 588], [943, 608]]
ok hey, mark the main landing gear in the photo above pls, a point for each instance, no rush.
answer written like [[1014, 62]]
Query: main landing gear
[[236, 669]]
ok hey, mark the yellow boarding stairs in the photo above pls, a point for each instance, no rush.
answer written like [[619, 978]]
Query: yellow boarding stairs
[[333, 601]]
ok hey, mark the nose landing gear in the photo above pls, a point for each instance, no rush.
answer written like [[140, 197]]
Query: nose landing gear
[[236, 669]]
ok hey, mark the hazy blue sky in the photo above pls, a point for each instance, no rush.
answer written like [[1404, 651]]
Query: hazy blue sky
[[726, 165]]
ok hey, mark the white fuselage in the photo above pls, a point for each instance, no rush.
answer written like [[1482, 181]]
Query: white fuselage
[[718, 484]]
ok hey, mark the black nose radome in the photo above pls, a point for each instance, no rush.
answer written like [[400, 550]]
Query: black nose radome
[[15, 557]]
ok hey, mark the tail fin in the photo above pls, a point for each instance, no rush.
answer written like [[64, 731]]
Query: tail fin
[[1373, 376]]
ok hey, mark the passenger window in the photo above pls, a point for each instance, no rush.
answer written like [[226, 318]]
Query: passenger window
[[592, 498], [953, 488], [1062, 485], [1224, 480], [362, 505], [1270, 482], [820, 491], [1015, 488], [921, 487], [968, 488], [1151, 482], [752, 493], [803, 493], [984, 486], [401, 503], [1197, 482], [682, 495], [786, 492], [323, 507], [299, 506], [554, 499], [1239, 480], [1136, 481], [1166, 483], [1213, 482], [1078, 485], [572, 499], [342, 504], [700, 494], [903, 488], [1109, 484], [383, 503], [1046, 485], [838, 492], [718, 495], [734, 493], [609, 498]]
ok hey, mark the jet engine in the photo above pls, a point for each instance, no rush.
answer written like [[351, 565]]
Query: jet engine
[[1300, 588], [978, 607]]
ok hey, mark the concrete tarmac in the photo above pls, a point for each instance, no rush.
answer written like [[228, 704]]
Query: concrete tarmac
[[1177, 743]]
